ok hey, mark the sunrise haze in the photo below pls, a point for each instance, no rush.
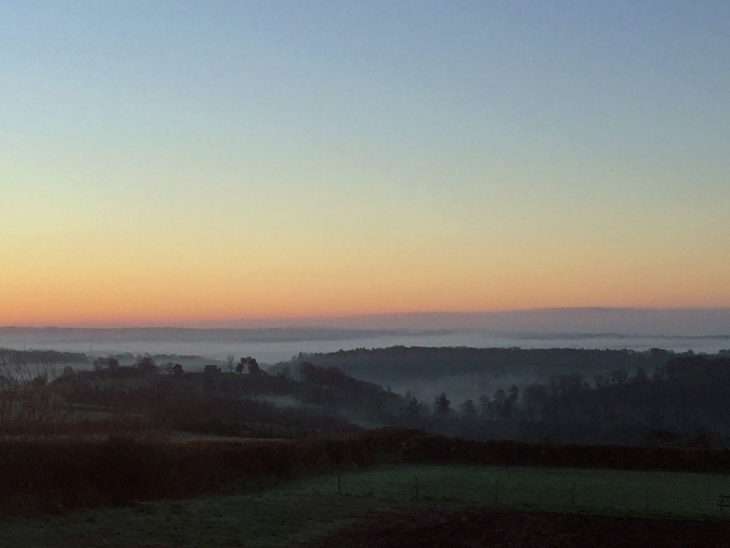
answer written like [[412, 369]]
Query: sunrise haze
[[177, 163]]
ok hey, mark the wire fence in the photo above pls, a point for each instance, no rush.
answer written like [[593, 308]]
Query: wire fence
[[648, 493]]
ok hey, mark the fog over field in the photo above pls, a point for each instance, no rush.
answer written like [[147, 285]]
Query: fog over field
[[699, 330]]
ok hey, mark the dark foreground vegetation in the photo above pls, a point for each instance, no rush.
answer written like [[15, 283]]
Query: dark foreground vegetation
[[49, 476], [127, 430], [61, 474], [555, 504]]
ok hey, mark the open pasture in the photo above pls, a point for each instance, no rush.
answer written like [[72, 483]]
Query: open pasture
[[601, 491], [300, 512]]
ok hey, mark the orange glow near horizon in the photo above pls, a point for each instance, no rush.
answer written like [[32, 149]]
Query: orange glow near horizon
[[232, 279], [185, 297], [238, 161]]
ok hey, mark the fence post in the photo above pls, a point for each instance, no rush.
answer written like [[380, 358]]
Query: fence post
[[572, 494]]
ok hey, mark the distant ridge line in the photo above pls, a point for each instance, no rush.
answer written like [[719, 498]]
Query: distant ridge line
[[574, 321]]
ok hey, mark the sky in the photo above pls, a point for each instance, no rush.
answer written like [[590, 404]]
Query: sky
[[178, 162]]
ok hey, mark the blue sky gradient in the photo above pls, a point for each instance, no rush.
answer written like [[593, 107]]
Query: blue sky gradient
[[311, 158]]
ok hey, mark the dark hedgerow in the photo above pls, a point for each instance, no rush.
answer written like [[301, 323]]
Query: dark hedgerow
[[56, 475]]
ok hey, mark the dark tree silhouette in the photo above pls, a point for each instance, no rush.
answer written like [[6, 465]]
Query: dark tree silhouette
[[442, 405]]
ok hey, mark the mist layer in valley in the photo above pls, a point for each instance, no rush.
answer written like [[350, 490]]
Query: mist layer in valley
[[699, 330]]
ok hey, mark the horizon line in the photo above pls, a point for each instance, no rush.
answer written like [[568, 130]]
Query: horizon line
[[202, 324]]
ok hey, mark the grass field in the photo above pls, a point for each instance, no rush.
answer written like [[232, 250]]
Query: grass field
[[300, 512]]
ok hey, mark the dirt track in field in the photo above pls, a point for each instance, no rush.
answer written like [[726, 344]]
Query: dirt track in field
[[476, 527]]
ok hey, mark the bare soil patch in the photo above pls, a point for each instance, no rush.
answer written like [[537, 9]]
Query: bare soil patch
[[478, 527]]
